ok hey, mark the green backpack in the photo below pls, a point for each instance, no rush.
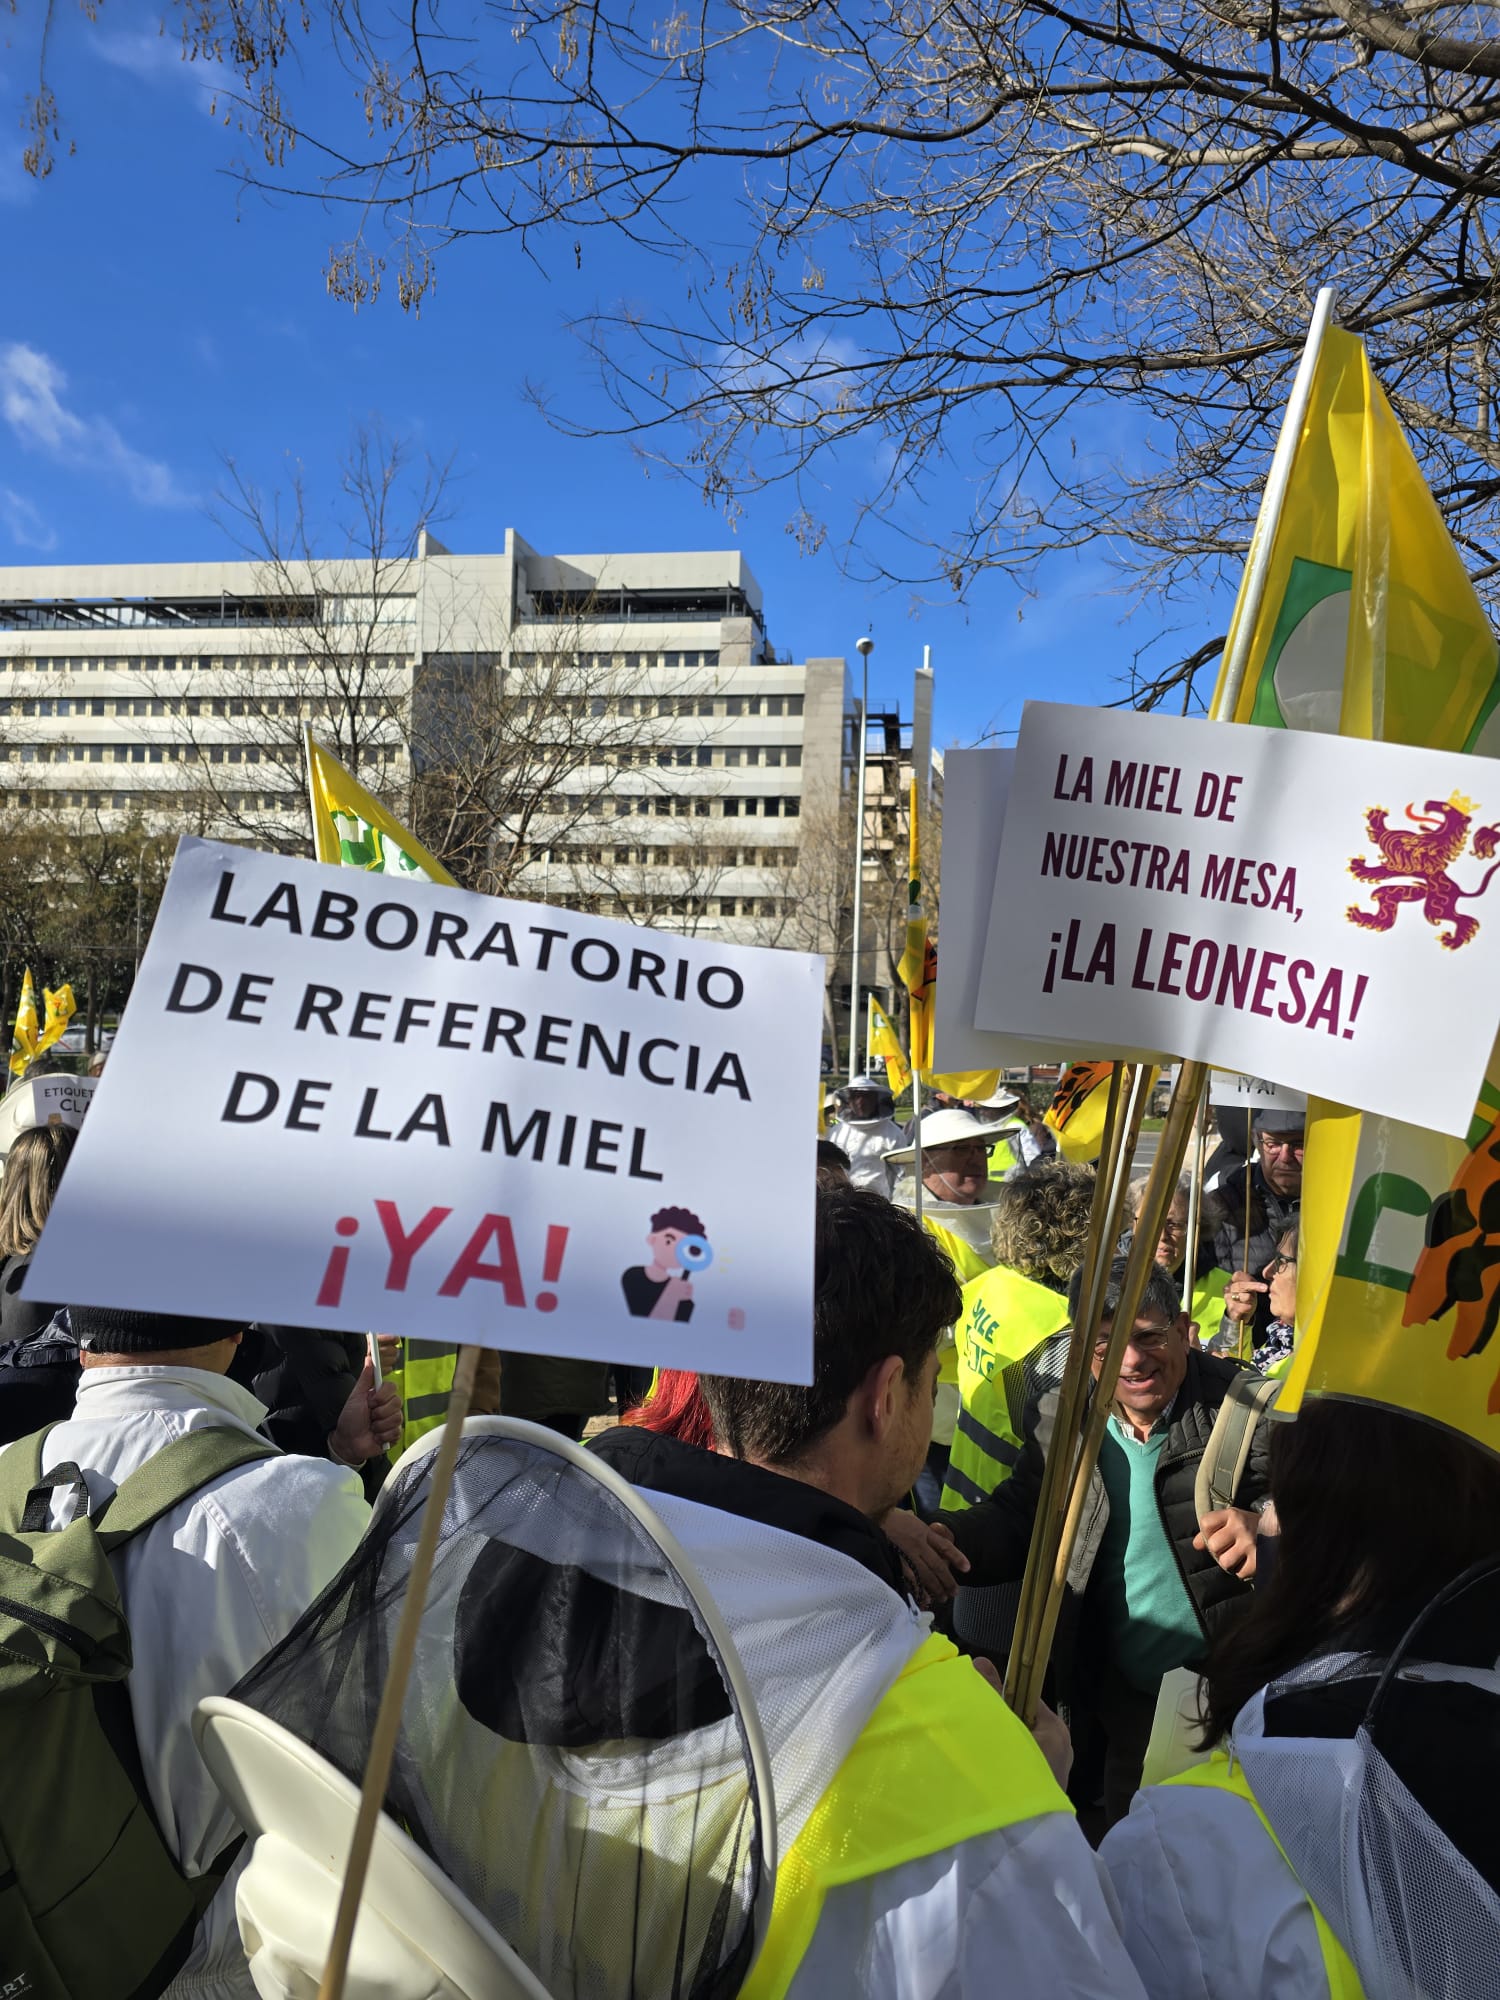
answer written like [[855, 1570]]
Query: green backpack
[[92, 1904]]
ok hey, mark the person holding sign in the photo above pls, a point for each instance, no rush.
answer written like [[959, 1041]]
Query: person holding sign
[[1355, 1719], [224, 1543], [1149, 1584], [1261, 1202], [1210, 1279], [933, 1799]]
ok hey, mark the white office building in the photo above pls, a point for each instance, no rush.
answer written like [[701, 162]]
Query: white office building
[[705, 762]]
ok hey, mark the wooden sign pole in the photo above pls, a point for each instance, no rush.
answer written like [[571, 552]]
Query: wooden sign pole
[[1165, 1172], [1129, 1090], [393, 1696]]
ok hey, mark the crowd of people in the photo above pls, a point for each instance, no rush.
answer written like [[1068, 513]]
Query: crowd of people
[[865, 1537]]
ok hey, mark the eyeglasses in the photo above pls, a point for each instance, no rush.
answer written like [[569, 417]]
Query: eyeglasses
[[1278, 1264], [1151, 1341]]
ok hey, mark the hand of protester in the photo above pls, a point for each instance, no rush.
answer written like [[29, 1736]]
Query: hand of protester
[[1052, 1734], [369, 1421], [930, 1553], [1055, 1742], [1241, 1295], [390, 1352], [1229, 1536]]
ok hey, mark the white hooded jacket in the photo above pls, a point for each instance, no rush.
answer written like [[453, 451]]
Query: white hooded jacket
[[821, 1638]]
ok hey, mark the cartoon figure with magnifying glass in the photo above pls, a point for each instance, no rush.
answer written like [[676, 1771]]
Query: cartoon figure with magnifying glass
[[663, 1289]]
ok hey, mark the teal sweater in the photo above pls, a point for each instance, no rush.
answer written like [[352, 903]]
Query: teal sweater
[[1152, 1625]]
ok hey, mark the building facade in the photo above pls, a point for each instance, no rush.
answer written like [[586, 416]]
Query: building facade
[[646, 750]]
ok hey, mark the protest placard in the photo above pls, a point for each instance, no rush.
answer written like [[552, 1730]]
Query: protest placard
[[1301, 906], [359, 1101], [1230, 1088], [976, 785]]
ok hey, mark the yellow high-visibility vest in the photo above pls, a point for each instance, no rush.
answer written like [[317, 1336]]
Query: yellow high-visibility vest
[[1219, 1775], [425, 1379], [941, 1760], [1005, 1317], [1207, 1307], [968, 1264]]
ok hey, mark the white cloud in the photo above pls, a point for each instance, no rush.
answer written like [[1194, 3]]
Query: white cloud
[[31, 402], [26, 527], [156, 57]]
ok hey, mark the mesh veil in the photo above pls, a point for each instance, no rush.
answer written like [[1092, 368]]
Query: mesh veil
[[571, 1754], [1416, 1916]]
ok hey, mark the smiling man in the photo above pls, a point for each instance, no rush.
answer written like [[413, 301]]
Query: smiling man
[[1149, 1584]]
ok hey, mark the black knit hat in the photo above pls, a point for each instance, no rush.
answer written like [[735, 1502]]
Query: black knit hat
[[103, 1330]]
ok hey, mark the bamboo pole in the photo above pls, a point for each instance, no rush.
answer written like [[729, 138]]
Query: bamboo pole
[[1165, 1169], [393, 1696], [1195, 1201], [1129, 1094]]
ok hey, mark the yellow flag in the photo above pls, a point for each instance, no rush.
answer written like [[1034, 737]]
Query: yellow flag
[[61, 1007], [23, 1041], [1398, 1265], [1370, 627], [972, 1084], [1076, 1113], [352, 829], [918, 968], [882, 1040]]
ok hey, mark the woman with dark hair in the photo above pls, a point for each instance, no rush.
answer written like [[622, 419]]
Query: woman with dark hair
[[1342, 1842]]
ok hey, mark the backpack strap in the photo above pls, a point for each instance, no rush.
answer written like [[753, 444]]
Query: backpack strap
[[171, 1476], [20, 1472], [1227, 1452]]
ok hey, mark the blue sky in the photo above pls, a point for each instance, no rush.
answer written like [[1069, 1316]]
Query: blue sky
[[157, 318]]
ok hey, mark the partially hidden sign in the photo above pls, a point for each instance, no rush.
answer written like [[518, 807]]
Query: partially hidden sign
[[1313, 908], [350, 1100]]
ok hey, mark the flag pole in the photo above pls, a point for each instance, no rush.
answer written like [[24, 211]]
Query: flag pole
[[312, 797], [864, 647], [387, 1728], [1257, 576]]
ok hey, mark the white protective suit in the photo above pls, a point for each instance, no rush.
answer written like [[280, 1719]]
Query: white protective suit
[[821, 1638], [867, 1141], [1211, 1908]]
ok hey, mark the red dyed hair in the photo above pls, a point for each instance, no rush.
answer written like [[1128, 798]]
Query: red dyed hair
[[675, 1408]]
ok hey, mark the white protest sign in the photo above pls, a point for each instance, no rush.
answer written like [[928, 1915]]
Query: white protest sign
[[1255, 1093], [976, 785], [358, 1101], [44, 1100], [1301, 906]]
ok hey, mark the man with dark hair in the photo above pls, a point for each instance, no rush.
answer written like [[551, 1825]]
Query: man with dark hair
[[1149, 1584], [923, 1839]]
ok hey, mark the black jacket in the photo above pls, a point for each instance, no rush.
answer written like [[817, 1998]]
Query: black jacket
[[996, 1534], [1271, 1216]]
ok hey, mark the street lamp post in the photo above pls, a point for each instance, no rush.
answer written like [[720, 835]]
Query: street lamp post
[[864, 647]]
